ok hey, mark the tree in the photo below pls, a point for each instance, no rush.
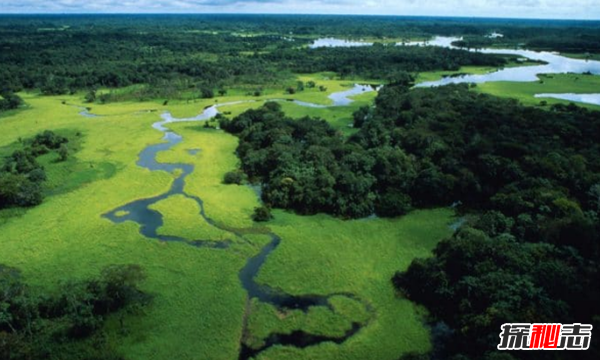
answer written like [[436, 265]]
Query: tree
[[206, 93], [49, 139], [55, 85], [29, 194], [594, 197], [63, 152], [78, 306], [401, 78], [361, 115], [21, 162], [120, 287], [18, 190], [234, 177], [475, 283], [9, 101], [393, 203], [37, 175], [261, 214], [494, 223], [34, 325], [90, 97]]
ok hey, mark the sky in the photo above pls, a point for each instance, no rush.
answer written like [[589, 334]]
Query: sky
[[552, 9]]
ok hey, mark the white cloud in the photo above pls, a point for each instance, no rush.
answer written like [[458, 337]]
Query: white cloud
[[578, 9]]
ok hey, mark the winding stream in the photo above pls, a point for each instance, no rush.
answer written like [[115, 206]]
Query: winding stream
[[150, 221], [84, 111]]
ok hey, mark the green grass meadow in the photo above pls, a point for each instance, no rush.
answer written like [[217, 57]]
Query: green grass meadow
[[199, 304], [556, 83], [525, 91]]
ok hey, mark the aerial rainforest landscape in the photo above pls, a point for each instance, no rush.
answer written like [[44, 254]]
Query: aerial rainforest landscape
[[316, 187]]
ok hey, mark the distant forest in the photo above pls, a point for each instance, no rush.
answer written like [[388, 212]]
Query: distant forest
[[524, 181], [61, 54]]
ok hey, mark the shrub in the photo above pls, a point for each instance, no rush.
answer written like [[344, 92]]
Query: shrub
[[233, 177], [63, 153], [262, 213]]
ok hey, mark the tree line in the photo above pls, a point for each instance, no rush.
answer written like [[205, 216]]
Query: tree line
[[66, 323], [528, 180], [168, 63], [60, 54], [9, 101]]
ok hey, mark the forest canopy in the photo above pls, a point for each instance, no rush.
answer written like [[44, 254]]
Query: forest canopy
[[524, 181], [529, 178], [112, 58], [59, 54], [427, 147]]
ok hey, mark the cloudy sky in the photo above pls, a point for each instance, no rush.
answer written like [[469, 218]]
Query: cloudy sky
[[563, 9]]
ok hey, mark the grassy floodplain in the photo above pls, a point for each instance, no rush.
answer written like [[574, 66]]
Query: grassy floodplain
[[199, 302], [525, 91], [555, 83], [587, 56]]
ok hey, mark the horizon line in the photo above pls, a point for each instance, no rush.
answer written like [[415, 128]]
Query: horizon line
[[295, 14]]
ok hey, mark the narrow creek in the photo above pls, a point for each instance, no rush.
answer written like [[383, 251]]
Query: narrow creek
[[150, 221]]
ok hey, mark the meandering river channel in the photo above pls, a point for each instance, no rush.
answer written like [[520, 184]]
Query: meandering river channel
[[149, 221]]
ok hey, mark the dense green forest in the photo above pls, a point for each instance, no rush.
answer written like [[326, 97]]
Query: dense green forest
[[169, 62], [529, 178], [532, 175], [172, 54], [376, 180], [577, 41], [429, 147], [66, 325], [306, 26]]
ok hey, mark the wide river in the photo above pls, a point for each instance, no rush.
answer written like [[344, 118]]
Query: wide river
[[553, 64]]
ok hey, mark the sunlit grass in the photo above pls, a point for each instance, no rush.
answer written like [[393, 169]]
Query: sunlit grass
[[556, 83], [199, 303], [181, 218]]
